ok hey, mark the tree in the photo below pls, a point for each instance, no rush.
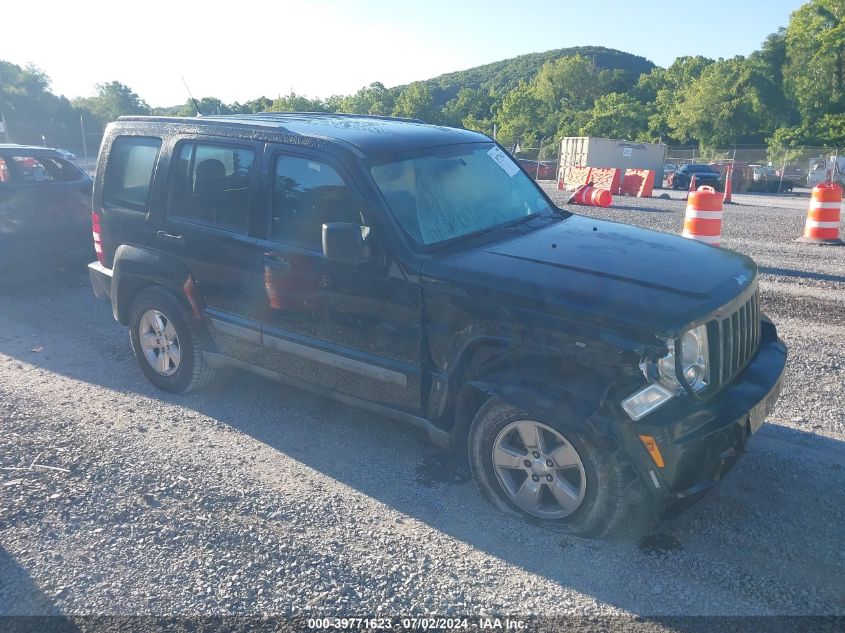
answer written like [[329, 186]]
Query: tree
[[814, 74], [206, 105], [659, 88], [617, 115], [112, 100], [372, 99], [568, 83], [471, 109], [769, 63], [296, 103], [416, 102], [33, 114], [722, 107], [519, 118]]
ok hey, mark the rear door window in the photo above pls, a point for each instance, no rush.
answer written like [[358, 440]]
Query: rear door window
[[212, 185], [129, 173], [30, 169]]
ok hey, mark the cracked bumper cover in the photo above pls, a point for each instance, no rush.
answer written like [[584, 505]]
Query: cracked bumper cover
[[701, 441]]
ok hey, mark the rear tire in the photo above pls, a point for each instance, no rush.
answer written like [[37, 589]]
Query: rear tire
[[593, 487], [167, 342]]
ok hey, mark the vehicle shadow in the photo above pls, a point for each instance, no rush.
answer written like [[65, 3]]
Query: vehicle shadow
[[724, 540], [24, 606], [801, 274]]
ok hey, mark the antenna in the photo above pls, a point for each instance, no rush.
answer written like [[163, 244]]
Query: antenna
[[194, 101]]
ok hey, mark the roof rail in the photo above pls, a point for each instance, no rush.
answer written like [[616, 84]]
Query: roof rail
[[350, 115]]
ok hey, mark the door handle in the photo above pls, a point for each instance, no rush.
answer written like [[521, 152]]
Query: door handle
[[161, 236]]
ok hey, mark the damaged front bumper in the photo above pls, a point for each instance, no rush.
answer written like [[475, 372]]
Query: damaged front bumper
[[699, 442]]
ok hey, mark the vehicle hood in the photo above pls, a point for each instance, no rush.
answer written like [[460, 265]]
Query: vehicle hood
[[599, 272]]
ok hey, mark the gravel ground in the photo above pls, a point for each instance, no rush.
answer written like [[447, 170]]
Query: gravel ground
[[253, 498]]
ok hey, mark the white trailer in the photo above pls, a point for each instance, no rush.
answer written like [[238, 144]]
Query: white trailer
[[590, 151]]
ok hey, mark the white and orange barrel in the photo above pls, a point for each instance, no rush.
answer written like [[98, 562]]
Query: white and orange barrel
[[823, 214], [592, 197], [703, 220]]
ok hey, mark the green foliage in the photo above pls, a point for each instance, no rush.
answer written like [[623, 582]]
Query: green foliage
[[33, 114], [206, 105], [519, 118], [372, 99], [112, 100], [503, 76], [724, 106], [827, 131], [616, 115], [472, 109], [814, 73], [296, 103], [417, 102], [659, 90]]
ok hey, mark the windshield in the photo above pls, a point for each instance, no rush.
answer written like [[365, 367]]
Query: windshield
[[454, 191]]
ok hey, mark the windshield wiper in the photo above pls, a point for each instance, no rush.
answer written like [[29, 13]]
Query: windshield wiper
[[498, 227]]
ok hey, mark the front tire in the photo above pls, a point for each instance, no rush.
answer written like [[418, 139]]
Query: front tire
[[545, 470], [166, 342]]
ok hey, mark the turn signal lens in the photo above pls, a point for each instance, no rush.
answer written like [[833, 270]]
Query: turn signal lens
[[653, 450]]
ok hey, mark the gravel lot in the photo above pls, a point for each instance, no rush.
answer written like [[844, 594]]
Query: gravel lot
[[253, 498]]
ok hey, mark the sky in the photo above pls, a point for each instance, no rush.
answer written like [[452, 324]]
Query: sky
[[240, 51]]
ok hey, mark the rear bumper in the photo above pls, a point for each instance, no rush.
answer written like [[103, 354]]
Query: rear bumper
[[100, 280], [700, 442]]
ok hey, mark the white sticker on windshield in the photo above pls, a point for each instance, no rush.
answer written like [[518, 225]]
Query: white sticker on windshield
[[503, 161]]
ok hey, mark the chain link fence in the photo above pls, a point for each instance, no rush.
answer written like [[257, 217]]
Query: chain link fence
[[540, 162], [764, 169]]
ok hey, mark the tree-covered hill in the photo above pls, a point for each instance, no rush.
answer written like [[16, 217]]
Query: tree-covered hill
[[503, 76], [787, 94]]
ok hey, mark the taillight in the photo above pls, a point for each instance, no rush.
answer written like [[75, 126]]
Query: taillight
[[98, 242]]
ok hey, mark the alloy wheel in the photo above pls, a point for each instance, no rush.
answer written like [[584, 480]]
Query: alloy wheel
[[159, 342], [539, 469]]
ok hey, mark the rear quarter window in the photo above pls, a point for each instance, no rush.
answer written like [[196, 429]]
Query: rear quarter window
[[129, 173]]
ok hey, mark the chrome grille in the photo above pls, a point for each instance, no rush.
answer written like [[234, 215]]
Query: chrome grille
[[734, 339]]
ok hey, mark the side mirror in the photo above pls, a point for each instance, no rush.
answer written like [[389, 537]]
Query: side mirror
[[345, 242]]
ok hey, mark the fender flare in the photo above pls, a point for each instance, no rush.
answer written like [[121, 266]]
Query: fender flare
[[545, 401], [136, 268]]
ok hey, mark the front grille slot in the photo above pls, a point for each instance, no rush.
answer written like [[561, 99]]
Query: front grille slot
[[734, 339]]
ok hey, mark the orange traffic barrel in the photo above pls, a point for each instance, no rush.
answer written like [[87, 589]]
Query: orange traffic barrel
[[592, 197], [823, 214], [703, 221]]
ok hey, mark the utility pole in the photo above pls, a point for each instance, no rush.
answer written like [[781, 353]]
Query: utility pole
[[84, 142]]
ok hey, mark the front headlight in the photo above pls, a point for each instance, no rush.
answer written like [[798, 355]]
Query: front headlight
[[664, 383], [694, 358], [694, 361]]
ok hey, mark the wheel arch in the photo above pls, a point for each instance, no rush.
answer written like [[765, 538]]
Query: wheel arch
[[136, 269], [546, 386]]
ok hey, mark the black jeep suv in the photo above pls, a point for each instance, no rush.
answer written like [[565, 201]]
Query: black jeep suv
[[420, 272]]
